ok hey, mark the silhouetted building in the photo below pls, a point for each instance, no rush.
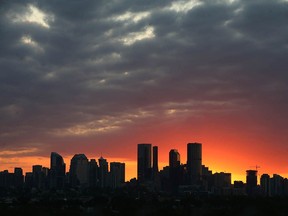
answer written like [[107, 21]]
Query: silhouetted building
[[251, 182], [117, 174], [29, 180], [207, 178], [277, 185], [165, 178], [57, 171], [39, 177], [175, 176], [194, 163], [6, 179], [265, 185], [103, 172], [174, 158], [144, 162], [18, 177], [93, 173], [222, 183], [239, 188], [155, 161], [79, 171]]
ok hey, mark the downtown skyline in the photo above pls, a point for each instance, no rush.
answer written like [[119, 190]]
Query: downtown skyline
[[132, 170], [96, 77], [192, 177]]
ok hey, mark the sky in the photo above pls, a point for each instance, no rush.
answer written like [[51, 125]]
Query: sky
[[99, 77]]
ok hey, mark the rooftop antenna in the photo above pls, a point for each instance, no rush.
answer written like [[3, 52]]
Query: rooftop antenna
[[256, 167]]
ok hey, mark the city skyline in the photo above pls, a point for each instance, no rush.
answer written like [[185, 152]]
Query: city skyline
[[191, 178], [96, 77], [192, 148]]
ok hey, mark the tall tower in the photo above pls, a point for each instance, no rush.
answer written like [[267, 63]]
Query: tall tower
[[265, 185], [79, 170], [103, 172], [57, 171], [93, 173], [251, 182], [194, 162], [155, 160], [144, 162], [174, 158], [117, 174]]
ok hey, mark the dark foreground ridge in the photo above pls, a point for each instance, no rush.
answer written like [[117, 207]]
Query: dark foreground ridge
[[129, 202]]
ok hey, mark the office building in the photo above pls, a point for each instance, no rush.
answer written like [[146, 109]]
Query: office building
[[194, 163], [265, 185], [57, 171], [174, 158], [103, 172], [144, 162], [117, 174], [277, 185], [79, 171], [155, 161], [18, 177], [251, 182], [175, 176], [93, 173]]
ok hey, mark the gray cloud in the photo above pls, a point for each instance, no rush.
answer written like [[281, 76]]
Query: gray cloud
[[100, 61]]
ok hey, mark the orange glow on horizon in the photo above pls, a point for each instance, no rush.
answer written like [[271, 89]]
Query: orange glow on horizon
[[223, 150]]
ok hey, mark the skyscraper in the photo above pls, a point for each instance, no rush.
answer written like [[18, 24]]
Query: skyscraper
[[251, 182], [175, 174], [144, 162], [265, 184], [79, 170], [155, 161], [93, 173], [103, 172], [174, 158], [57, 171], [38, 176], [117, 174], [194, 163], [19, 177]]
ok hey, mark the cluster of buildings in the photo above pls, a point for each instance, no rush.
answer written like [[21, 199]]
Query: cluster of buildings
[[194, 177], [82, 173], [177, 178]]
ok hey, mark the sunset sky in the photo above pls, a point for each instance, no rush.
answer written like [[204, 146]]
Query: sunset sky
[[99, 77]]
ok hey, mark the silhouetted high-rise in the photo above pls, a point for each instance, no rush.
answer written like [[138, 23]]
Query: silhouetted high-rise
[[57, 171], [174, 158], [103, 172], [175, 174], [265, 185], [39, 176], [194, 162], [18, 177], [155, 161], [251, 182], [117, 174], [79, 170], [144, 162], [93, 173]]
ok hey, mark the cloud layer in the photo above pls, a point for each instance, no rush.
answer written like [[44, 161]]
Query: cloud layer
[[99, 71]]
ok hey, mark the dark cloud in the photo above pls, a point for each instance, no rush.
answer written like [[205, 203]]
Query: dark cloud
[[97, 64]]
